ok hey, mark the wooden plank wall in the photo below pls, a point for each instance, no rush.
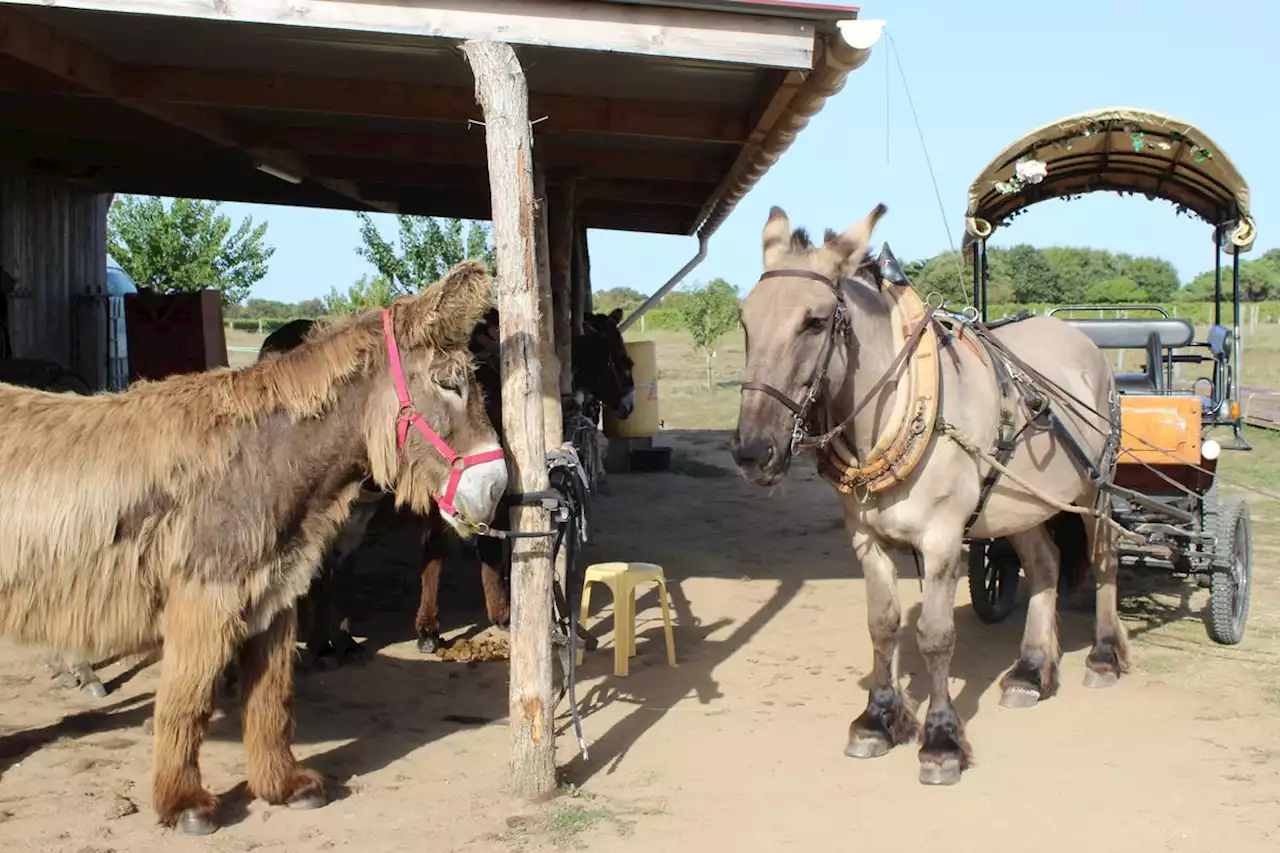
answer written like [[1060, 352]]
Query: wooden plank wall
[[53, 244]]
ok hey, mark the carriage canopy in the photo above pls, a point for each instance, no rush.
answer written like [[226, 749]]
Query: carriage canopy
[[1122, 150]]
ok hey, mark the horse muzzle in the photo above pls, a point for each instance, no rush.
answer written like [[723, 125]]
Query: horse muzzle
[[761, 460], [626, 406], [480, 490]]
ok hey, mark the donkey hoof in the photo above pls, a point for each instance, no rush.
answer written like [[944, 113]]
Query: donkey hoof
[[428, 642], [943, 772], [197, 822], [1019, 696], [1093, 678], [96, 689], [866, 747]]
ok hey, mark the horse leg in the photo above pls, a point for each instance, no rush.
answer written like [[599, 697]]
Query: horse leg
[[890, 716], [944, 751], [426, 623], [1035, 674], [496, 603], [199, 636], [87, 679], [1109, 657], [266, 696]]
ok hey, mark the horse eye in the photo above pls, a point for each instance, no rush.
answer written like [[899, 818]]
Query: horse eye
[[450, 386], [815, 324]]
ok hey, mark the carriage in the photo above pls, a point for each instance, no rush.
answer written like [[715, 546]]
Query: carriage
[[1165, 486]]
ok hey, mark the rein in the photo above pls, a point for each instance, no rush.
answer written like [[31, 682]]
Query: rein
[[801, 439]]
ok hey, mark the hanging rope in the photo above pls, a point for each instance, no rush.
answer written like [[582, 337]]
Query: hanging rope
[[942, 208]]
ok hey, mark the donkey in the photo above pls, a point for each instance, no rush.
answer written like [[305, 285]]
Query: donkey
[[825, 334], [198, 533], [602, 377]]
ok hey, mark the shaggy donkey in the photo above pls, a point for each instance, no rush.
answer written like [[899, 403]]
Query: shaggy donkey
[[191, 513]]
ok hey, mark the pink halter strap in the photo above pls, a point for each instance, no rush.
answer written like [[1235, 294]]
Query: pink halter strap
[[409, 415]]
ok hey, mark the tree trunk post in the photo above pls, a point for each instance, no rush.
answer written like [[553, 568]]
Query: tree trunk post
[[552, 414], [502, 92], [584, 272], [562, 235]]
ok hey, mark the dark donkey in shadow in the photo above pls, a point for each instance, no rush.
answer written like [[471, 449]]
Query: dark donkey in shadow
[[602, 377]]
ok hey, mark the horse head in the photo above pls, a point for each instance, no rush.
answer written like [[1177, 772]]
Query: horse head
[[601, 365], [797, 321]]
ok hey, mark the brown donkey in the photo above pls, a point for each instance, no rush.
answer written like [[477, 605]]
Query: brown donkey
[[191, 513], [905, 412]]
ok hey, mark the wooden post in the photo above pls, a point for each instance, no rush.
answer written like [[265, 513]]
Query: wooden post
[[562, 234], [578, 308], [552, 415], [585, 262], [503, 94]]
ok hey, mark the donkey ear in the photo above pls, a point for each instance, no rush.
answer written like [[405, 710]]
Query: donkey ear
[[776, 237], [857, 238], [445, 314], [616, 315]]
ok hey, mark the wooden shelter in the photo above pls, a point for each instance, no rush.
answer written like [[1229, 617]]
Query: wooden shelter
[[618, 114]]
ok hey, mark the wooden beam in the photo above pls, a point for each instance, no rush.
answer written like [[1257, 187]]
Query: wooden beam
[[552, 416], [389, 99], [48, 50], [757, 40], [584, 269], [502, 92], [561, 233], [464, 150]]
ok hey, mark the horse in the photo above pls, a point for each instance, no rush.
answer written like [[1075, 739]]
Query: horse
[[907, 407], [190, 513], [602, 377]]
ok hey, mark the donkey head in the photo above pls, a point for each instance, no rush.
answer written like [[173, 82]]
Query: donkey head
[[439, 445], [794, 354], [601, 365]]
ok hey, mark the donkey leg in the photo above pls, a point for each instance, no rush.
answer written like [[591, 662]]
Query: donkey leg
[[1109, 657], [944, 751], [1035, 674], [496, 604], [890, 716], [426, 623], [266, 696], [199, 636]]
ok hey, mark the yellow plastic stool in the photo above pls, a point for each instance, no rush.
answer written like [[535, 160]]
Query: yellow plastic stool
[[622, 579]]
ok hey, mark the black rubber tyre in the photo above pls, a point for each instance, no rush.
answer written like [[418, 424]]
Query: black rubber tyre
[[1232, 579], [994, 573]]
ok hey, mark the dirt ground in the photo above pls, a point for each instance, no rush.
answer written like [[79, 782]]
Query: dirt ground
[[737, 748]]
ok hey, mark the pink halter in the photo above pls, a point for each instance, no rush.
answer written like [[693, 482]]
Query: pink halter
[[409, 415]]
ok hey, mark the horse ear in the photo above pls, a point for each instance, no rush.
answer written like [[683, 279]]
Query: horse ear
[[445, 314], [856, 240], [616, 315], [776, 237]]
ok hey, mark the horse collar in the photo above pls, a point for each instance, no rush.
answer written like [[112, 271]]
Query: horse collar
[[408, 415]]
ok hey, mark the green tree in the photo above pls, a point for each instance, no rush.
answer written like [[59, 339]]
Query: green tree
[[375, 292], [626, 298], [1034, 279], [1079, 269], [186, 247], [709, 313], [427, 248], [1116, 292], [1156, 277]]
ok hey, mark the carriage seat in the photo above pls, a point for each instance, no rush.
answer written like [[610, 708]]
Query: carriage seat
[[1153, 334]]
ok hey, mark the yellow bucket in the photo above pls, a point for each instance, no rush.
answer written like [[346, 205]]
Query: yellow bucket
[[643, 422]]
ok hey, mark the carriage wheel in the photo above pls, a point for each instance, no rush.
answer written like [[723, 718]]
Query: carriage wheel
[[993, 579], [1233, 576]]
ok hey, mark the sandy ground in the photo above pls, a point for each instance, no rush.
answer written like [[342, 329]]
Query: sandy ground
[[738, 748]]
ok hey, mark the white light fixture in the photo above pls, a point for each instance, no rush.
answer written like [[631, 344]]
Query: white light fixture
[[861, 34], [276, 173], [1210, 450]]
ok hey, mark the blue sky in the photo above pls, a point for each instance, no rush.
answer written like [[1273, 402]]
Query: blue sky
[[981, 74]]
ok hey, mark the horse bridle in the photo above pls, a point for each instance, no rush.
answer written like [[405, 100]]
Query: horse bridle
[[839, 327], [408, 415]]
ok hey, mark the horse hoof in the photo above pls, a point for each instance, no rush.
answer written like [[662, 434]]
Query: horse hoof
[[1018, 696], [1095, 679], [96, 689], [944, 772], [308, 800], [197, 822], [867, 747], [428, 644]]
